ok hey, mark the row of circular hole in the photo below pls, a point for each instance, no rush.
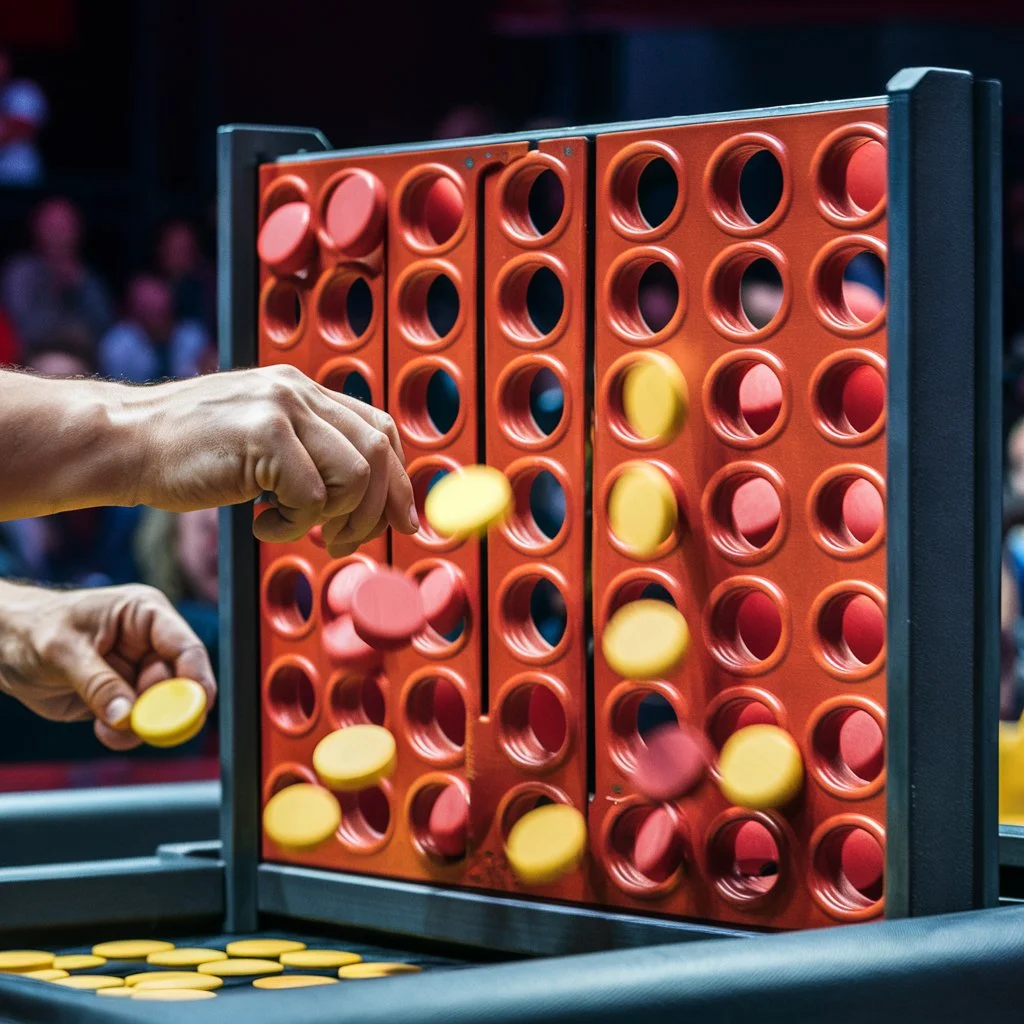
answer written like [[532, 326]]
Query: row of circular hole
[[746, 295], [747, 622], [746, 871]]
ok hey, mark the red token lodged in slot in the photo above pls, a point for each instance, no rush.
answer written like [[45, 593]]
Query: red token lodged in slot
[[862, 510], [448, 824], [760, 398], [286, 241], [755, 852], [865, 175], [863, 862], [658, 849], [442, 209], [387, 610], [670, 761], [862, 745], [444, 598], [355, 213], [756, 510]]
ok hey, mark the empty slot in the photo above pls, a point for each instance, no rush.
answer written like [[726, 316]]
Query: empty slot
[[442, 401], [351, 383], [289, 599], [747, 512], [747, 292], [652, 711], [358, 700], [760, 185], [747, 627], [547, 400], [760, 293], [532, 403], [637, 712], [442, 305], [291, 698], [429, 305], [644, 297], [851, 632], [850, 287], [533, 200], [429, 403], [365, 817], [849, 748], [423, 480], [436, 712], [345, 309], [538, 514], [544, 300], [657, 296], [745, 859], [545, 202], [282, 312], [533, 725], [849, 866], [534, 617], [657, 190]]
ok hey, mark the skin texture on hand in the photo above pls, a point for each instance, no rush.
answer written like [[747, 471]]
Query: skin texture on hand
[[226, 438], [75, 655]]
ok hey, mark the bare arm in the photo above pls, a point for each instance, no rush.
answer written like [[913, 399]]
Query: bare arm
[[202, 443]]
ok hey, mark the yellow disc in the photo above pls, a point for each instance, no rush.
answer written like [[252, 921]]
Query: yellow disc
[[546, 843], [130, 949], [46, 974], [302, 816], [468, 501], [263, 947], [354, 972], [1011, 772], [320, 959], [178, 979], [141, 976], [645, 639], [117, 993], [169, 713], [654, 398], [78, 961], [171, 995], [240, 968], [294, 981], [185, 957], [642, 509], [761, 767], [17, 960], [90, 981], [355, 758]]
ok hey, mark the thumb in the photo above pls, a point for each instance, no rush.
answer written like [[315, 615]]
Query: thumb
[[105, 693]]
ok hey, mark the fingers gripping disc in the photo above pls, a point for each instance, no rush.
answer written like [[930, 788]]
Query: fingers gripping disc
[[356, 757], [645, 639], [300, 817], [546, 843], [169, 713], [468, 502], [761, 767]]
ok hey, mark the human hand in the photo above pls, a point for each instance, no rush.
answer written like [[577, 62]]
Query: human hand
[[326, 458], [75, 655]]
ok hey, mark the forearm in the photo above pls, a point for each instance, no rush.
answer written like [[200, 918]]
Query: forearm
[[67, 444]]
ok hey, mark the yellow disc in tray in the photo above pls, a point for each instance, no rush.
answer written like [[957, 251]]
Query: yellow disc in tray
[[356, 757], [294, 981], [645, 639], [761, 767], [17, 960], [546, 843], [355, 972], [178, 979], [171, 995], [263, 947], [185, 957], [169, 713], [240, 968], [320, 959], [118, 993], [90, 981], [135, 979], [468, 501], [78, 961], [130, 949], [46, 974], [301, 817], [654, 398], [642, 509]]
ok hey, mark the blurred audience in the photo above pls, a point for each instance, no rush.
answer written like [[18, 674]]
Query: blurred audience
[[188, 273], [23, 112], [51, 285], [150, 343], [10, 344]]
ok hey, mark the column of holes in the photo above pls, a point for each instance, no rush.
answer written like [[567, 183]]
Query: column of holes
[[642, 309], [846, 512], [433, 373], [292, 682], [536, 434]]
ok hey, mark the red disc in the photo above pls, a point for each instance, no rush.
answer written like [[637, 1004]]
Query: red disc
[[449, 821], [755, 851], [863, 397], [443, 207], [670, 761], [758, 624], [343, 584], [355, 213], [547, 718], [863, 302], [862, 745], [863, 628], [387, 610], [738, 715], [756, 510], [863, 861], [286, 241], [444, 598], [865, 175], [658, 849], [862, 510], [450, 710], [344, 647], [760, 397]]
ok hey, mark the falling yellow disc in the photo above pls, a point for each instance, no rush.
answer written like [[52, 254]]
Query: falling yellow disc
[[355, 757], [468, 501], [301, 817], [546, 843], [645, 639], [642, 509], [761, 767], [654, 398]]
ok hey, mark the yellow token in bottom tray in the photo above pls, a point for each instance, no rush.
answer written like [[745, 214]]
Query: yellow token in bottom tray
[[78, 962], [294, 981], [263, 948], [320, 959], [18, 960], [171, 995], [178, 979], [90, 981], [240, 968], [185, 957], [46, 974], [381, 970], [130, 949]]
